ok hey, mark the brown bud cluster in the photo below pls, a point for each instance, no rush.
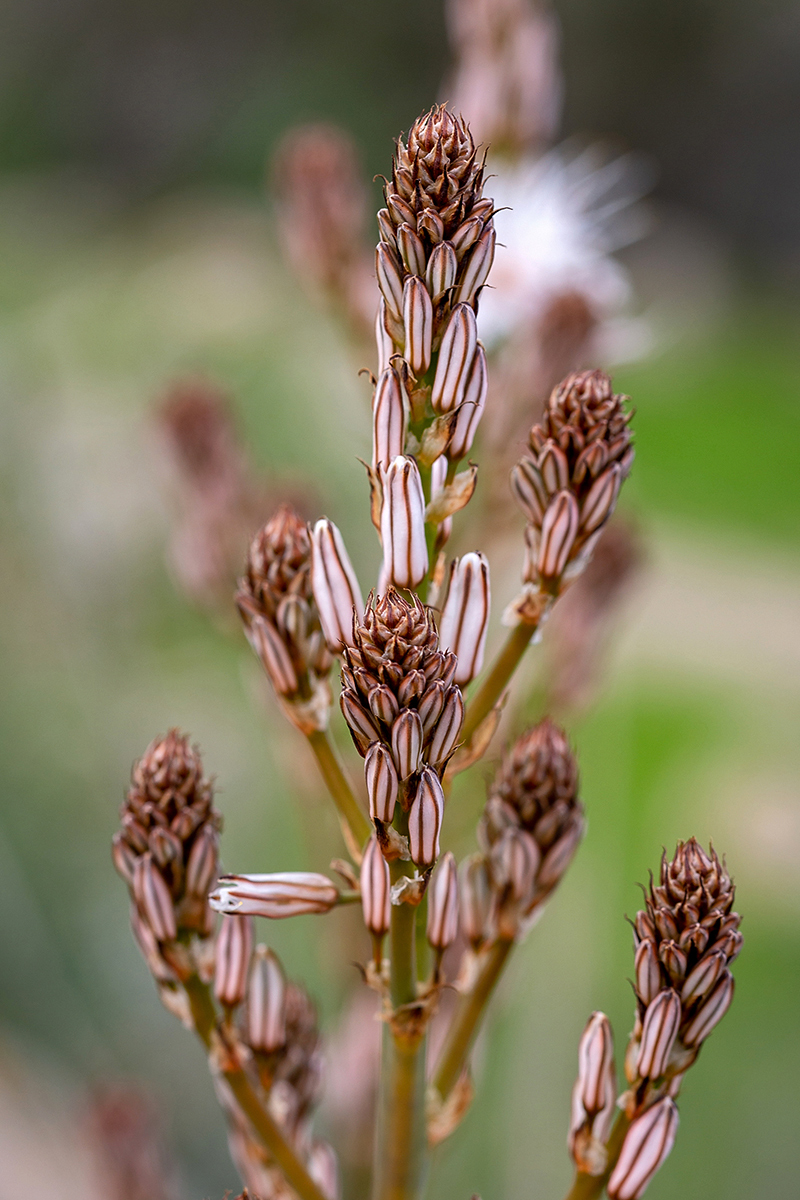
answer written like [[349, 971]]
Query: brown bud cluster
[[434, 256], [685, 939], [568, 484], [532, 824], [405, 714], [167, 849], [280, 617]]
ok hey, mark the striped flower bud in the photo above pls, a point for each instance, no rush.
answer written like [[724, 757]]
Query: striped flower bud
[[388, 419], [390, 279], [405, 554], [661, 1022], [701, 980], [710, 1013], [154, 900], [646, 1146], [383, 338], [382, 783], [283, 894], [448, 728], [476, 898], [515, 858], [471, 410], [595, 1063], [418, 323], [559, 529], [465, 619], [407, 743], [266, 1003], [334, 585], [441, 271], [232, 951], [411, 249], [375, 889], [425, 819], [648, 971], [443, 904], [456, 354], [478, 265], [363, 728]]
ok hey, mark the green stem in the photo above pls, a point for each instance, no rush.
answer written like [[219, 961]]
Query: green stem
[[265, 1128], [464, 1026], [496, 681], [401, 1142], [355, 826], [587, 1187]]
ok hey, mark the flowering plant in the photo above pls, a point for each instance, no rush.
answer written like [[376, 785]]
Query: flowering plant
[[407, 659]]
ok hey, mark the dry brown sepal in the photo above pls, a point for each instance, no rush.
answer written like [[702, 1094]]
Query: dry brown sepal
[[443, 1118], [568, 483], [281, 621]]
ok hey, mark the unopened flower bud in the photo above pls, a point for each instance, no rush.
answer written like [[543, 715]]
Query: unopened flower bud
[[701, 980], [514, 861], [560, 854], [418, 321], [405, 554], [456, 353], [648, 971], [479, 264], [431, 705], [476, 898], [390, 279], [471, 408], [154, 899], [388, 418], [283, 894], [711, 1012], [661, 1022], [441, 270], [232, 951], [362, 727], [448, 728], [425, 819], [646, 1146], [559, 527], [407, 743], [465, 619], [266, 1003], [375, 889], [601, 498], [382, 782], [443, 904], [383, 338], [595, 1061], [411, 249], [334, 584], [124, 857]]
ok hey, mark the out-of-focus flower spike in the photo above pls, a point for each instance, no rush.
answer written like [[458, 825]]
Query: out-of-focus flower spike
[[476, 898], [456, 355], [334, 584], [154, 899], [646, 1146], [388, 419], [382, 782], [471, 408], [418, 322], [465, 619], [283, 894], [443, 904], [425, 819], [323, 1167], [375, 889], [232, 952], [266, 1003], [405, 554], [661, 1023]]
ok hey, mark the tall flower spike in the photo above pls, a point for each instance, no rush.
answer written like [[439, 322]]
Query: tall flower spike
[[535, 792], [166, 850], [465, 619], [334, 585], [276, 604], [568, 484], [405, 554]]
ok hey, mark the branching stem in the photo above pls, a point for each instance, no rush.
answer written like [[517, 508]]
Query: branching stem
[[355, 826], [587, 1187], [496, 681]]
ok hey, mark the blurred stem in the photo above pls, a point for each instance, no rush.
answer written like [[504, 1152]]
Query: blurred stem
[[265, 1128], [498, 678], [355, 826], [401, 1142], [464, 1026], [586, 1187]]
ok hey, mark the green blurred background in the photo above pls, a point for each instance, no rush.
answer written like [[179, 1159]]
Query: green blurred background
[[137, 244]]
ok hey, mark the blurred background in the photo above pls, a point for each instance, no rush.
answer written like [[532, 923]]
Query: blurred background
[[141, 245]]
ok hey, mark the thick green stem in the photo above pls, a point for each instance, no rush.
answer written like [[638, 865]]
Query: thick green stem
[[587, 1187], [265, 1128], [355, 826], [496, 681], [401, 1142], [464, 1026]]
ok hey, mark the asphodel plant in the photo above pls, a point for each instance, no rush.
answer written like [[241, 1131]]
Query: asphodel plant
[[420, 708]]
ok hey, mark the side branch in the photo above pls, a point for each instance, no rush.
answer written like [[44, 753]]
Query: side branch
[[355, 826], [498, 678]]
